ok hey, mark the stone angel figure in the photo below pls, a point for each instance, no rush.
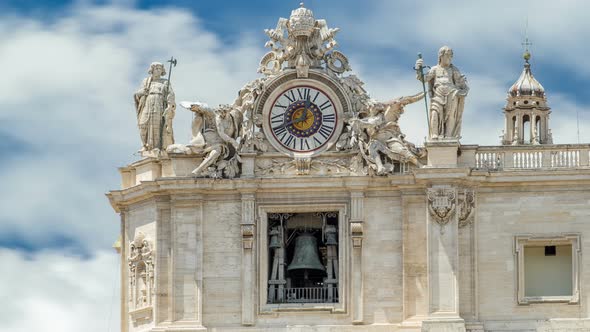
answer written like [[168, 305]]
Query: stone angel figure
[[155, 106], [216, 132], [251, 138], [379, 137]]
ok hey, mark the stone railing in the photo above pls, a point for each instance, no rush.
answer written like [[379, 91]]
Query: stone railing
[[526, 157]]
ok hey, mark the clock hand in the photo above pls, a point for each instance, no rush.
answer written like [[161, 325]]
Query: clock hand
[[303, 115], [284, 124]]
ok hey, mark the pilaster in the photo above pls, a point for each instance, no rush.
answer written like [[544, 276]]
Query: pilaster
[[443, 260], [415, 258], [248, 229], [124, 274], [356, 232], [162, 260], [187, 260], [467, 211]]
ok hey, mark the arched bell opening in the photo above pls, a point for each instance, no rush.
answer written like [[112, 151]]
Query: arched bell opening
[[513, 131], [537, 134], [526, 128]]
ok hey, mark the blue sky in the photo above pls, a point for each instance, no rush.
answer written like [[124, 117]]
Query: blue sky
[[67, 119]]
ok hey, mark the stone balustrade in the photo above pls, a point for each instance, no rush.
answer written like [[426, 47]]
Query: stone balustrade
[[499, 158]]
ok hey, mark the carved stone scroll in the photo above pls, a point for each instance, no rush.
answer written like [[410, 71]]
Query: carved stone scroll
[[466, 207], [247, 236], [356, 231]]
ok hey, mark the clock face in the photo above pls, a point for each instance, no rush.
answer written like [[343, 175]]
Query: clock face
[[302, 118]]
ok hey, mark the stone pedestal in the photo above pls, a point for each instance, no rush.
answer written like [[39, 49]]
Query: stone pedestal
[[442, 153], [248, 164], [443, 325]]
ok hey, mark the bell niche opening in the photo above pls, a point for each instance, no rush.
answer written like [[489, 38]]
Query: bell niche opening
[[303, 257]]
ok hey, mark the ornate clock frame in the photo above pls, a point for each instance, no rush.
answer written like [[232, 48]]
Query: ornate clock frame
[[317, 80]]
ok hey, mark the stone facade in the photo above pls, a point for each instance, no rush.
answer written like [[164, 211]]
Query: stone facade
[[388, 236], [400, 269]]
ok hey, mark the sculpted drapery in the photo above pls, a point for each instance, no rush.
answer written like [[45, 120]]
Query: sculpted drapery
[[155, 105], [447, 90]]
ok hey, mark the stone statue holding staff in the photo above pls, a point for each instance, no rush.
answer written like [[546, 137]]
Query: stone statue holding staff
[[155, 106], [447, 90]]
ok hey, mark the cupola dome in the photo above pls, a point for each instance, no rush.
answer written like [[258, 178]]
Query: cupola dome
[[527, 85]]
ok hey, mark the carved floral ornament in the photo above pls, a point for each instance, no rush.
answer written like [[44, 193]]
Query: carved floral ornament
[[302, 42], [141, 277], [442, 204], [445, 201]]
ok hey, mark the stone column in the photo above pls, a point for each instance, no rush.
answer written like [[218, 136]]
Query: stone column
[[248, 272], [356, 232], [520, 124], [443, 261]]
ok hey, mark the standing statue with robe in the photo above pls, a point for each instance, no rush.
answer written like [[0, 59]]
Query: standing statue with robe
[[155, 106], [447, 90]]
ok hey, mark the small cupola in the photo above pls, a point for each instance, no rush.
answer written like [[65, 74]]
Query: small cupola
[[526, 111], [527, 85]]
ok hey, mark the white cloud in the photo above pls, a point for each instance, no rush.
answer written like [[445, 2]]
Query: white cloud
[[52, 292], [70, 102]]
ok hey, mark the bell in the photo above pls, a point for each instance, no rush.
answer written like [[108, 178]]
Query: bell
[[306, 254], [331, 238], [274, 238]]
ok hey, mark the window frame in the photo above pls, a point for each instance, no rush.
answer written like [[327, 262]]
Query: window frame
[[343, 258], [530, 240]]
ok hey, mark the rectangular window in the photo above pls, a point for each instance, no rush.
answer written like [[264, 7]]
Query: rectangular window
[[548, 268], [548, 272], [303, 257]]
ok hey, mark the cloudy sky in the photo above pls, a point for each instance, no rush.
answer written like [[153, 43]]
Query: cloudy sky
[[67, 119]]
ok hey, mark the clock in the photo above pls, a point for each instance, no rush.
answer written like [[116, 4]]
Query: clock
[[302, 117]]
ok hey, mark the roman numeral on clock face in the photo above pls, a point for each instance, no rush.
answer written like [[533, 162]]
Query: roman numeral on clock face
[[329, 118], [303, 144], [327, 104], [277, 119], [290, 95], [303, 93], [278, 105], [279, 130], [325, 131], [290, 141]]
